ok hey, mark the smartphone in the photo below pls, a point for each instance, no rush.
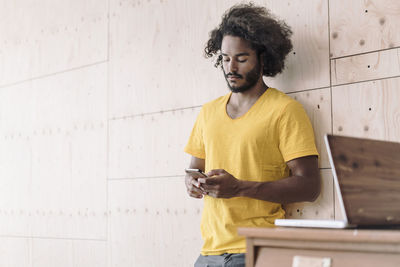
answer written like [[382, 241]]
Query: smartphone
[[197, 171]]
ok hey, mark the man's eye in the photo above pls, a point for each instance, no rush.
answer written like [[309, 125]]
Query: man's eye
[[226, 59], [241, 60]]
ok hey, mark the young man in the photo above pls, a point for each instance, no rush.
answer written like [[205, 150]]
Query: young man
[[255, 143]]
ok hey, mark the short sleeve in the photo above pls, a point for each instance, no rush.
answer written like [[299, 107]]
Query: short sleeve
[[296, 135], [195, 145]]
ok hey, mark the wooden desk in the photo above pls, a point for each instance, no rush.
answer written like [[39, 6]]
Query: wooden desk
[[356, 248]]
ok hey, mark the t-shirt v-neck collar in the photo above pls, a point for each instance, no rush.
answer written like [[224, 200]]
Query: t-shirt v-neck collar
[[254, 106]]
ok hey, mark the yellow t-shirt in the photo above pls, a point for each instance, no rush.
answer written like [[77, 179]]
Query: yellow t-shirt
[[253, 147]]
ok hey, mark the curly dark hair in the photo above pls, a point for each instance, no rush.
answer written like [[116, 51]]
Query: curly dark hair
[[267, 35]]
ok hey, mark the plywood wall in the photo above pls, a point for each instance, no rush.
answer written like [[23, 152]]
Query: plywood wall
[[97, 100]]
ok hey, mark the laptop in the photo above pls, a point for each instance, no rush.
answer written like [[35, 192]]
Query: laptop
[[367, 180]]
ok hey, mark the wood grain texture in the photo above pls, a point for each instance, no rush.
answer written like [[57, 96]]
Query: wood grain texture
[[68, 253], [54, 168], [250, 252], [334, 235], [277, 246], [150, 145], [317, 104], [321, 208], [53, 36], [361, 26], [15, 252], [368, 109], [153, 222], [307, 66], [364, 67], [156, 59], [368, 172], [270, 257]]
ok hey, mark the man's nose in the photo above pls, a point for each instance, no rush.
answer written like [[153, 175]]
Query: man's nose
[[233, 67]]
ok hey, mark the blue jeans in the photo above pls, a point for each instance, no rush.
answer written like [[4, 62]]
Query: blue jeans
[[224, 260]]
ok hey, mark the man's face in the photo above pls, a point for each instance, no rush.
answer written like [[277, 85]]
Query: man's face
[[240, 64]]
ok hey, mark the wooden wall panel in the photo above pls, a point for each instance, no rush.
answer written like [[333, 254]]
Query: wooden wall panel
[[150, 145], [55, 133], [317, 104], [307, 66], [322, 208], [153, 222], [15, 252], [68, 253], [47, 37], [364, 67], [68, 101], [368, 109], [360, 26], [156, 55], [15, 185]]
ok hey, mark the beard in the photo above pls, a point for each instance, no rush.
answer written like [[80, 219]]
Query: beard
[[251, 79]]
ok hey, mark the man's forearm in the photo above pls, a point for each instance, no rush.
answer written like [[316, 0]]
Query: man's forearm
[[284, 191]]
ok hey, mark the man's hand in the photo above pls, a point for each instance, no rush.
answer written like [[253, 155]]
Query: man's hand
[[220, 184], [193, 186], [303, 185]]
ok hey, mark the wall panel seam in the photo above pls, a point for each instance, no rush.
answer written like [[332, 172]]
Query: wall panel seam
[[31, 251], [366, 53], [53, 74], [398, 57], [152, 113], [330, 89], [52, 238], [307, 90], [108, 30], [365, 81], [146, 177], [108, 253]]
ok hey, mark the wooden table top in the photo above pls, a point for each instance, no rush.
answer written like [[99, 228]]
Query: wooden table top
[[314, 234]]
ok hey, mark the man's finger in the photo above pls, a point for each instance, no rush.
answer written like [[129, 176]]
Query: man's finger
[[197, 186], [195, 183], [207, 181], [210, 188], [210, 180], [215, 172], [195, 189], [196, 195]]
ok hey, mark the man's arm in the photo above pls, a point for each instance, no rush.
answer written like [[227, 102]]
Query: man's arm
[[191, 179], [303, 185]]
